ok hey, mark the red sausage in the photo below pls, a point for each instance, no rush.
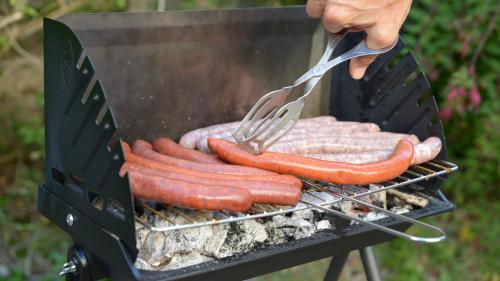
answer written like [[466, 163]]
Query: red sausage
[[264, 192], [145, 149], [136, 159], [334, 172], [171, 148], [188, 195]]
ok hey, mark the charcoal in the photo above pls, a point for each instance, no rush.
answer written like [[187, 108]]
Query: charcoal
[[281, 228], [400, 199], [242, 237], [152, 251], [183, 247], [183, 260], [214, 244], [306, 215], [322, 225]]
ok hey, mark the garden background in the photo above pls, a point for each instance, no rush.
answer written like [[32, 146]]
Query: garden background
[[458, 45]]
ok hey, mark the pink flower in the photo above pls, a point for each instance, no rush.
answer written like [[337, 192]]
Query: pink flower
[[445, 113], [474, 96], [452, 94], [462, 92], [472, 70]]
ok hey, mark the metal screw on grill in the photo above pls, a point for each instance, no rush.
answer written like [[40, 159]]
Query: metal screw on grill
[[69, 267], [70, 220]]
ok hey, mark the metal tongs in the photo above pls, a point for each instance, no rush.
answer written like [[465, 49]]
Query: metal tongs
[[269, 120]]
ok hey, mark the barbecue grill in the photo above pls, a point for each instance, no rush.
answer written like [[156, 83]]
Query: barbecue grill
[[145, 75]]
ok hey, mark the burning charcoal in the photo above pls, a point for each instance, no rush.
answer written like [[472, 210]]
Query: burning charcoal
[[306, 215], [141, 234], [399, 210], [378, 199], [183, 260], [186, 240], [142, 264], [242, 237], [372, 216], [324, 224], [281, 229], [152, 251], [214, 244], [400, 198]]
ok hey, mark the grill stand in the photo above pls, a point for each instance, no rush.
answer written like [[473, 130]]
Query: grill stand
[[369, 265]]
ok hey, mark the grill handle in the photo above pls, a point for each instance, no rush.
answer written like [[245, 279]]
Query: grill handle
[[418, 239]]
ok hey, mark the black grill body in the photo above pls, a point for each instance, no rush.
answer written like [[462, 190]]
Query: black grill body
[[143, 75]]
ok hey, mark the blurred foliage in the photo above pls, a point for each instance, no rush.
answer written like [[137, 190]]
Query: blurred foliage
[[458, 44]]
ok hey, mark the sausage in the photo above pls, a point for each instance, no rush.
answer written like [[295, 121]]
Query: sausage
[[136, 159], [334, 172], [355, 158], [189, 195], [171, 148], [145, 150], [423, 152], [298, 133], [336, 144], [190, 139], [427, 150], [264, 192]]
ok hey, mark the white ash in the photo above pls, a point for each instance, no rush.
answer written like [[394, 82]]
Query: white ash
[[179, 248], [324, 224]]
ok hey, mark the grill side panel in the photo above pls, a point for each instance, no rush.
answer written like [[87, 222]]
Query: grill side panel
[[81, 164], [394, 94]]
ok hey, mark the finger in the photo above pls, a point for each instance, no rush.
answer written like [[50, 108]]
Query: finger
[[315, 8], [358, 66], [381, 36], [336, 18]]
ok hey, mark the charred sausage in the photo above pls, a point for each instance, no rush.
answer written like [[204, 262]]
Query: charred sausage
[[189, 195], [264, 192], [171, 148], [145, 150], [334, 172]]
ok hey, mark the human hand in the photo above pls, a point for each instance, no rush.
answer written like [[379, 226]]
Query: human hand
[[380, 19]]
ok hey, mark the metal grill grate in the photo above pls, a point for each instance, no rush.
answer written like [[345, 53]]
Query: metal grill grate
[[414, 174]]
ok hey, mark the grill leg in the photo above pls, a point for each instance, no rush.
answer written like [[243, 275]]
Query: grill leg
[[370, 264], [335, 268]]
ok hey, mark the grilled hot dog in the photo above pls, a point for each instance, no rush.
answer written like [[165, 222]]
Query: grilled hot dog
[[189, 195], [136, 159], [335, 172], [145, 150], [265, 192], [171, 148]]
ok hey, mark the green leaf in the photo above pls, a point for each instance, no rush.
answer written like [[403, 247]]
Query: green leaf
[[30, 11]]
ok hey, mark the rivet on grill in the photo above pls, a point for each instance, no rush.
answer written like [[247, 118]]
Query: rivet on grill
[[70, 220]]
